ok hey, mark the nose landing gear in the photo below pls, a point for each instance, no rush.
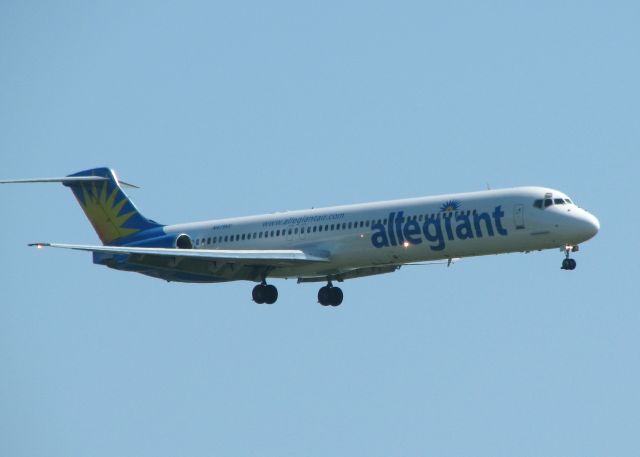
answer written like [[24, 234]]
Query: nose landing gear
[[569, 263]]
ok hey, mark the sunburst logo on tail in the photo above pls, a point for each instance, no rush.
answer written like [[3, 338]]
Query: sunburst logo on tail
[[107, 209]]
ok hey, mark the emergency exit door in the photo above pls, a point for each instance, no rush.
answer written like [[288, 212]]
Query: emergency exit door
[[518, 216]]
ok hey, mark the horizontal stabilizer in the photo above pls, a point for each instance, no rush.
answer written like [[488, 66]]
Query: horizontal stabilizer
[[66, 179]]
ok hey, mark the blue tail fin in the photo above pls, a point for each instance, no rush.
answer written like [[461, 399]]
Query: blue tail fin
[[110, 211]]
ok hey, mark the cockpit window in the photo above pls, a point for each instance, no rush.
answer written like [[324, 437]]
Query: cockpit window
[[548, 201]]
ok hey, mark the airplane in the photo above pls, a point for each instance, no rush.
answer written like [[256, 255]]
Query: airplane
[[323, 245]]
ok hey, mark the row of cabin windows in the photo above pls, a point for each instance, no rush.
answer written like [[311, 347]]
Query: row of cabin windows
[[311, 229], [547, 202]]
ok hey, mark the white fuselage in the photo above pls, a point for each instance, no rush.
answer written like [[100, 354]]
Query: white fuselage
[[404, 231]]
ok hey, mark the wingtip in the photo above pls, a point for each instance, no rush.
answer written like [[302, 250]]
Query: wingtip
[[39, 245]]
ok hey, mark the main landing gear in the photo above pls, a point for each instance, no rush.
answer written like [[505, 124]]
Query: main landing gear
[[329, 295], [569, 263], [265, 293]]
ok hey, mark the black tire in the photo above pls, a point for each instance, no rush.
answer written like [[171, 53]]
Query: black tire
[[323, 296], [258, 294], [572, 264], [335, 296], [270, 294]]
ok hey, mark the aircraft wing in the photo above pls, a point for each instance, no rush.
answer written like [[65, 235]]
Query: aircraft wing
[[280, 257]]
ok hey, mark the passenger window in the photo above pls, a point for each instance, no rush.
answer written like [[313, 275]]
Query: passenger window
[[209, 240], [537, 204], [366, 223], [214, 240], [333, 227], [548, 202], [271, 234], [349, 225], [295, 231]]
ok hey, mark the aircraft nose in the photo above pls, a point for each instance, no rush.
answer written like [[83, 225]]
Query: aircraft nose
[[590, 225]]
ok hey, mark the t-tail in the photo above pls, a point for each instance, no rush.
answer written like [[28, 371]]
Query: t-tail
[[113, 215]]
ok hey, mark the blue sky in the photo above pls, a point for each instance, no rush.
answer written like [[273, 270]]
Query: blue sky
[[224, 109]]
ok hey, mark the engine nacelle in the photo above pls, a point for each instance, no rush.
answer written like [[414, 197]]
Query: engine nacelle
[[182, 241]]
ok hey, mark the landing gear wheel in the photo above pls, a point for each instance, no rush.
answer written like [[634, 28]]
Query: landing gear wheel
[[330, 296], [335, 296], [323, 296], [265, 293], [271, 294], [258, 294]]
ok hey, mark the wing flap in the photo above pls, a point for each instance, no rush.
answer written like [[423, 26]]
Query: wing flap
[[240, 256]]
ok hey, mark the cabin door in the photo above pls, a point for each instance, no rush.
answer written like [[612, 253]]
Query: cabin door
[[518, 216]]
